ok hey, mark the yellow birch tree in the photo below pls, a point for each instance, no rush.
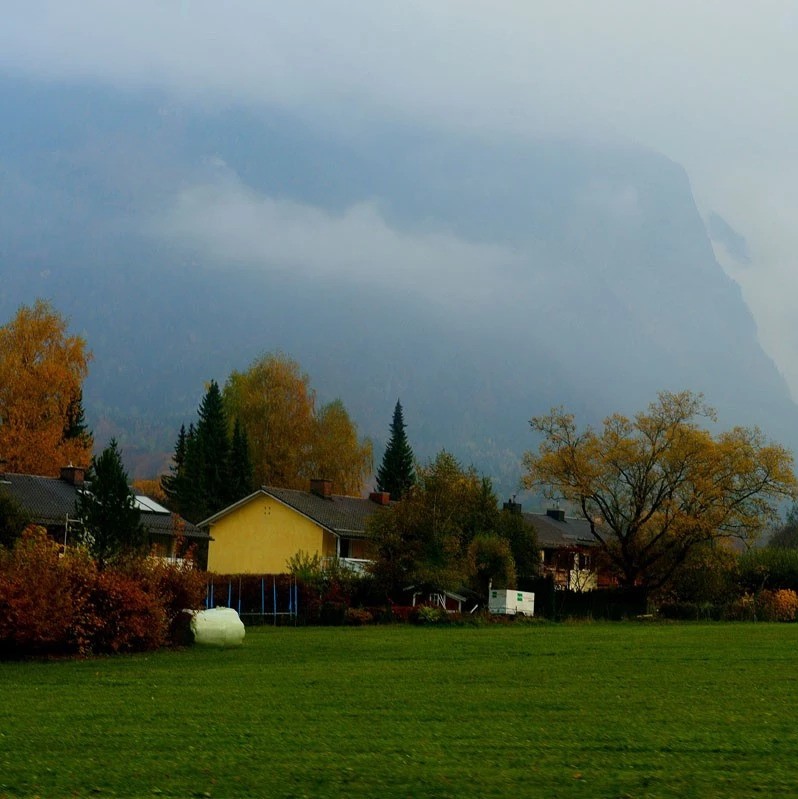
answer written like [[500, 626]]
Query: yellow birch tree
[[656, 487]]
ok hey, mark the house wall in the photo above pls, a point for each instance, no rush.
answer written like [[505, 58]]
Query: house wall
[[260, 536]]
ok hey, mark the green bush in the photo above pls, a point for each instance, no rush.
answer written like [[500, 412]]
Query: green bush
[[771, 569], [426, 614]]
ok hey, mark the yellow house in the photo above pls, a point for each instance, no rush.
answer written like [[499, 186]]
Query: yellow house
[[258, 534]]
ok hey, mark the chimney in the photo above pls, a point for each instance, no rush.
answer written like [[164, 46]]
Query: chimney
[[513, 507], [380, 497], [321, 487], [556, 513], [73, 475]]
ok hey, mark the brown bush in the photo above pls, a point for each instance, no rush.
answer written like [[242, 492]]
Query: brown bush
[[61, 604], [132, 619], [45, 598], [781, 605]]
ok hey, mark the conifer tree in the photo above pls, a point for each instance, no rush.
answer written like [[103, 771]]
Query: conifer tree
[[210, 469], [111, 520], [172, 483], [240, 464], [397, 471], [213, 453]]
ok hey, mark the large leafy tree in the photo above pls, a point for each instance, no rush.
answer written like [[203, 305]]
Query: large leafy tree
[[657, 486], [42, 369], [107, 509], [397, 471], [425, 538]]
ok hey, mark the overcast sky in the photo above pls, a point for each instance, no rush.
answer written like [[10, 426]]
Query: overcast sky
[[711, 84]]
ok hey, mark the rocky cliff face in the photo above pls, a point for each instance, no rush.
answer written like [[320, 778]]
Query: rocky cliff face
[[594, 285]]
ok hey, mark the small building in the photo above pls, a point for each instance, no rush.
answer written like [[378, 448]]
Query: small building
[[260, 533], [50, 502]]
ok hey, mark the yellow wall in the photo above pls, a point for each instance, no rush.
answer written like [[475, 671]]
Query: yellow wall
[[260, 536]]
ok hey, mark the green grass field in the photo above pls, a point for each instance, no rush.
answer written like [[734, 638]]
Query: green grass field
[[593, 710]]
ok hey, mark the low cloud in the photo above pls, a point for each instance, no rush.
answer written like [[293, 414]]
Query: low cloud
[[231, 224]]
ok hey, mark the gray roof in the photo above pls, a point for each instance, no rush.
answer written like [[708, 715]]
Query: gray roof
[[344, 516], [49, 500], [553, 533]]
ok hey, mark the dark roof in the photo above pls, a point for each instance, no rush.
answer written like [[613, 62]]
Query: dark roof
[[553, 532], [49, 500], [342, 515]]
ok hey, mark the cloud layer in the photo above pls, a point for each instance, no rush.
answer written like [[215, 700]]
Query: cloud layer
[[709, 84]]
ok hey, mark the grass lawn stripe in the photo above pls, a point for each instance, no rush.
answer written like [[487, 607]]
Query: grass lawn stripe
[[532, 710]]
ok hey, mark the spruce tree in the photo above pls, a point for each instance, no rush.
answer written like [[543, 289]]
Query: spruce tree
[[172, 483], [209, 470], [213, 451], [75, 426], [240, 465], [111, 520], [397, 471]]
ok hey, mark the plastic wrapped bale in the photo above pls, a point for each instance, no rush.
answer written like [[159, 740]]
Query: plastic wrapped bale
[[218, 627]]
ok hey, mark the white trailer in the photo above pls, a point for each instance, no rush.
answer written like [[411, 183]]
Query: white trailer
[[510, 602]]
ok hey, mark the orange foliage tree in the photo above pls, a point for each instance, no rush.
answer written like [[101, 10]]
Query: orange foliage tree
[[42, 369]]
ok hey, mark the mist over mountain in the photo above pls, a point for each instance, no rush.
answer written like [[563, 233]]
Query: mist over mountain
[[480, 281]]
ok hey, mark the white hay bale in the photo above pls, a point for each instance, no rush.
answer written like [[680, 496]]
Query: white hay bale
[[218, 627]]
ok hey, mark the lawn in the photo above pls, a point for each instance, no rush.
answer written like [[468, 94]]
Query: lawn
[[593, 710]]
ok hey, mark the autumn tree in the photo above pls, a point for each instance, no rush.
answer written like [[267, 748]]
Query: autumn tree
[[42, 369], [289, 441], [655, 487], [107, 508], [275, 405], [336, 452], [397, 470]]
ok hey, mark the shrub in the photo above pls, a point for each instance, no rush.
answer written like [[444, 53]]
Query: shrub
[[176, 586], [61, 604], [133, 619], [356, 617], [742, 609], [426, 614], [779, 605], [44, 598]]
